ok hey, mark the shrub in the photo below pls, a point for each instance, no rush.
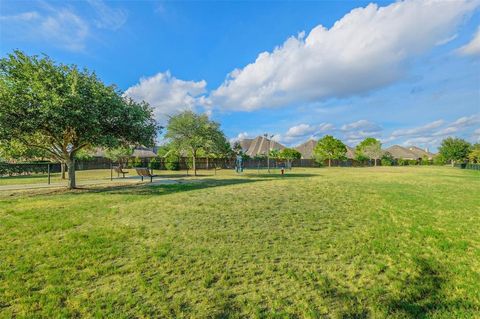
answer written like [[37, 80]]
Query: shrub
[[172, 162], [154, 163], [387, 159]]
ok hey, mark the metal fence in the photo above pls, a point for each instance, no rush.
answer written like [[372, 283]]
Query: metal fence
[[474, 166]]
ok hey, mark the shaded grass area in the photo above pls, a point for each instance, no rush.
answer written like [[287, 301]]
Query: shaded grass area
[[340, 243]]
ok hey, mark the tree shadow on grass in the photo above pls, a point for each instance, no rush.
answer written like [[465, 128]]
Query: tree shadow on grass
[[423, 295], [162, 189]]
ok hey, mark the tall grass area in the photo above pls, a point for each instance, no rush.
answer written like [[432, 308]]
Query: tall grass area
[[385, 242]]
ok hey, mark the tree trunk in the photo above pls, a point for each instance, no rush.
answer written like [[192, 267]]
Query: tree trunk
[[375, 163], [194, 165], [329, 162], [62, 169], [207, 162], [71, 173]]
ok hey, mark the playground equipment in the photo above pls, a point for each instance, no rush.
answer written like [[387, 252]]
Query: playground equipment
[[239, 164]]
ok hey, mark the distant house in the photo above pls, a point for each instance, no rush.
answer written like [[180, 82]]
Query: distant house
[[420, 153], [399, 152], [306, 149], [259, 146]]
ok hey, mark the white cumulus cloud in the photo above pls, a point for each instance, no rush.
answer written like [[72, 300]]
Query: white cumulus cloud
[[366, 49], [167, 94], [473, 47]]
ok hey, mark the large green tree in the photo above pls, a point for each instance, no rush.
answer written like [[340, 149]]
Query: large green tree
[[328, 147], [474, 155], [191, 133], [454, 149], [289, 154], [369, 148], [61, 109]]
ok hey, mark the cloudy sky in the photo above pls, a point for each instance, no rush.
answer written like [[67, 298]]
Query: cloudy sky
[[406, 72]]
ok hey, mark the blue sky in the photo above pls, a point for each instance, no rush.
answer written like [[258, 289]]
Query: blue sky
[[405, 72]]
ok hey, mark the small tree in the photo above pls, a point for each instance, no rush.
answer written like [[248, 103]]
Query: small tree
[[454, 149], [329, 148], [60, 109], [289, 154], [119, 154], [474, 155], [370, 148], [190, 132]]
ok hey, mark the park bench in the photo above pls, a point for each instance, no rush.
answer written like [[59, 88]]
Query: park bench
[[119, 170], [145, 172]]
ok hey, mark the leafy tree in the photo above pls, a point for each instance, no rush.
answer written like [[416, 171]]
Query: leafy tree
[[289, 154], [474, 155], [387, 159], [329, 148], [274, 153], [454, 149], [237, 148], [14, 151], [190, 132], [60, 109], [370, 148], [119, 154]]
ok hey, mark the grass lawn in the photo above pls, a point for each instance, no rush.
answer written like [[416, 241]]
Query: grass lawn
[[401, 242], [87, 175]]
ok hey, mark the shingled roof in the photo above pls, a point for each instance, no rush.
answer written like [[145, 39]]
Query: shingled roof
[[261, 146], [420, 153], [398, 152], [306, 149]]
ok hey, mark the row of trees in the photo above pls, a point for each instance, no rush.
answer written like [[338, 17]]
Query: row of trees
[[452, 150], [330, 148]]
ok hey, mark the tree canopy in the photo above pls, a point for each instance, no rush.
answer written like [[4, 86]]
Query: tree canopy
[[369, 148], [474, 155], [191, 133], [328, 147], [61, 109], [454, 149]]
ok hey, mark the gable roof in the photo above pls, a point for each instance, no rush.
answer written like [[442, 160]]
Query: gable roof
[[420, 153], [306, 149], [398, 152], [261, 145], [245, 144]]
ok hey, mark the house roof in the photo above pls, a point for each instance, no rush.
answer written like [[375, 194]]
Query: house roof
[[245, 144], [350, 152], [420, 153], [306, 149], [398, 152], [261, 145]]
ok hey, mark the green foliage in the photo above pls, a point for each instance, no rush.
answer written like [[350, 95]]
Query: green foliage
[[329, 148], [274, 153], [12, 150], [369, 148], [387, 159], [189, 132], [474, 156], [119, 154], [61, 109], [289, 154], [439, 160], [454, 149], [137, 162], [172, 161]]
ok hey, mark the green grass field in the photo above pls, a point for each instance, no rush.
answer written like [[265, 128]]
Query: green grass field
[[401, 242]]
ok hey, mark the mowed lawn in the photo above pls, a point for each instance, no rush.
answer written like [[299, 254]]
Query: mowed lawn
[[401, 242]]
